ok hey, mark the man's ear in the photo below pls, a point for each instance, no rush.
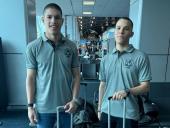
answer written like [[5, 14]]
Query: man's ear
[[132, 34], [62, 21], [42, 18]]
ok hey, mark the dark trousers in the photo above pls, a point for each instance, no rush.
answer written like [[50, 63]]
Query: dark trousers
[[117, 122]]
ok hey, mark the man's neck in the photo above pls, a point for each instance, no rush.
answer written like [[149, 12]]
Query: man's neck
[[54, 38], [122, 47]]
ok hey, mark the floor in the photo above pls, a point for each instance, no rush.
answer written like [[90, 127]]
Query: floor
[[14, 119]]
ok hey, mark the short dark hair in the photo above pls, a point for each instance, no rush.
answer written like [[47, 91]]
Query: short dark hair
[[126, 18], [53, 5]]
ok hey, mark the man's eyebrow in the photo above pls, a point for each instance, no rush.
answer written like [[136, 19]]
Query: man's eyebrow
[[122, 26], [53, 15]]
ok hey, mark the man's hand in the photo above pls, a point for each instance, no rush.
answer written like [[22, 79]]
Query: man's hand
[[71, 107], [119, 95], [32, 116]]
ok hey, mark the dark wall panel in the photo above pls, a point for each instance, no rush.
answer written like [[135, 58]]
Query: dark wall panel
[[3, 92]]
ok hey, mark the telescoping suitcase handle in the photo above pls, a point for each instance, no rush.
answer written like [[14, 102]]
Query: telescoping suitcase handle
[[124, 111], [61, 108]]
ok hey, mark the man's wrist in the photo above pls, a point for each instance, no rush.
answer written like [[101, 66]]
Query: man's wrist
[[127, 92], [30, 105], [75, 100]]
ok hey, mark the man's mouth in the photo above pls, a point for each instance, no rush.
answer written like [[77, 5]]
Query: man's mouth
[[53, 26], [120, 36]]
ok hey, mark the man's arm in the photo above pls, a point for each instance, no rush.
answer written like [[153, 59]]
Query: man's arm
[[101, 94], [30, 85], [76, 82], [142, 88], [30, 90], [71, 106]]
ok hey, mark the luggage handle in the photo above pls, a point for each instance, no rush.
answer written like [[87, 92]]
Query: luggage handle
[[61, 108], [124, 111]]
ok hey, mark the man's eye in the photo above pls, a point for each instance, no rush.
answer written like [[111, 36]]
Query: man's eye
[[126, 29], [118, 28], [49, 17], [57, 18]]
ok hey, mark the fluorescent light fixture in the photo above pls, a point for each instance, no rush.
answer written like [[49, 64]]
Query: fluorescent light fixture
[[88, 2], [87, 13]]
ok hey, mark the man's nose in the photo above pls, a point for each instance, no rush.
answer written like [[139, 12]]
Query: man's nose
[[53, 19], [121, 31]]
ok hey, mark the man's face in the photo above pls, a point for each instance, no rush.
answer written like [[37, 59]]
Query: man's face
[[52, 20], [123, 32]]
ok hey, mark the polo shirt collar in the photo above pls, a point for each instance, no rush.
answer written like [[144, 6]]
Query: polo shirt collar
[[62, 40], [129, 49]]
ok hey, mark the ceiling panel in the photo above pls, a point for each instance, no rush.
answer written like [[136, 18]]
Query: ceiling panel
[[77, 6], [118, 8], [64, 4], [102, 8]]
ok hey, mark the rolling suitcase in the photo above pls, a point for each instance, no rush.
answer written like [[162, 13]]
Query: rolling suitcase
[[124, 112], [61, 108]]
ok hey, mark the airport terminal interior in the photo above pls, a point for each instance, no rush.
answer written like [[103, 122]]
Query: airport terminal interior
[[90, 24]]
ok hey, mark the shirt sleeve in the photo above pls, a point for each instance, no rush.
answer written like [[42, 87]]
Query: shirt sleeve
[[30, 57], [102, 76], [75, 59], [145, 69]]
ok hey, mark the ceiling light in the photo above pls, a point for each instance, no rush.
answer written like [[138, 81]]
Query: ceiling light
[[87, 13], [88, 2]]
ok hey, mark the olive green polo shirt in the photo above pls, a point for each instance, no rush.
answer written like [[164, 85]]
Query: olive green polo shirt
[[53, 64], [122, 71]]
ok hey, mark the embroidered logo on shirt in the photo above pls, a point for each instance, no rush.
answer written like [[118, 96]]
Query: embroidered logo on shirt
[[128, 63], [67, 52]]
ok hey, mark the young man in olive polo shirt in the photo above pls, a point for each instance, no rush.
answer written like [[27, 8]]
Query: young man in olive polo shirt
[[125, 73], [53, 76]]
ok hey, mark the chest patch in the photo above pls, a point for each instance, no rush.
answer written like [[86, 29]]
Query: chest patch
[[67, 52], [128, 63]]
